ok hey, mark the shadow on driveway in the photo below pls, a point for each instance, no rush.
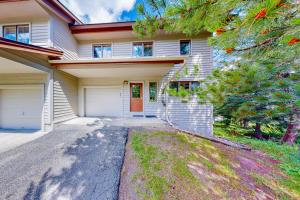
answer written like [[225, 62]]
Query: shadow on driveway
[[93, 169]]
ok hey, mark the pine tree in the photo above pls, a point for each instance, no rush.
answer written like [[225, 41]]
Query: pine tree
[[264, 85]]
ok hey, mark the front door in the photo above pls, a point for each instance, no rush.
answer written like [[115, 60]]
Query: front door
[[136, 97]]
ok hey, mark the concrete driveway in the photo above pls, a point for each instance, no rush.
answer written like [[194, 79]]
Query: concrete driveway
[[80, 159], [10, 139]]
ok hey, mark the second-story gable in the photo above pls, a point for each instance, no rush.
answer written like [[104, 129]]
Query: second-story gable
[[25, 22], [42, 23]]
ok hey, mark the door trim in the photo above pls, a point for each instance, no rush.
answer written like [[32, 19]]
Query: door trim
[[137, 113]]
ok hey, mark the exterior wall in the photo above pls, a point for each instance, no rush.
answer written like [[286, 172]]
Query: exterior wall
[[65, 96], [40, 33], [201, 54], [39, 29], [32, 79], [190, 116], [62, 38]]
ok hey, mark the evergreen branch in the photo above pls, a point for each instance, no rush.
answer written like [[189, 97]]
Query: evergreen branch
[[266, 42]]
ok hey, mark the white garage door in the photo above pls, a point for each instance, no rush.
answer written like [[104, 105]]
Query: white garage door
[[20, 108], [103, 102]]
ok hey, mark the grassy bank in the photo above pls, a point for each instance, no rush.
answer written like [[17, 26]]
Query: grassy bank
[[162, 166], [288, 156]]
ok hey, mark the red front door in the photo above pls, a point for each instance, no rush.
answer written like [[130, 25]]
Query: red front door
[[136, 97]]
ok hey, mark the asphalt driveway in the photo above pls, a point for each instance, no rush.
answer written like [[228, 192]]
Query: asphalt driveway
[[72, 162]]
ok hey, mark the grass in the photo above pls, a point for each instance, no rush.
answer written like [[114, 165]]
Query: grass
[[287, 155], [150, 161], [165, 167], [171, 165]]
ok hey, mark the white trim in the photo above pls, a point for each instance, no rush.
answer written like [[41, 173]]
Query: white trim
[[156, 100], [41, 87], [190, 53], [16, 24], [143, 41], [123, 59], [100, 44]]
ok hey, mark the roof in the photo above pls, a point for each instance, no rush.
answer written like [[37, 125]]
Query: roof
[[102, 27], [59, 8], [55, 6], [10, 44]]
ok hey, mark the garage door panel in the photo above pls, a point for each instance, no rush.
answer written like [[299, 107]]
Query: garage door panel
[[21, 109], [103, 102]]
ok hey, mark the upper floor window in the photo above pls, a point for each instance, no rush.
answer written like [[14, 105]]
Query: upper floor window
[[142, 49], [18, 33], [185, 47], [102, 51]]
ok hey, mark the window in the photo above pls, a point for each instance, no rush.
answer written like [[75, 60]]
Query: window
[[142, 49], [18, 33], [102, 51], [195, 85], [185, 85], [188, 85], [185, 47], [153, 91], [136, 91]]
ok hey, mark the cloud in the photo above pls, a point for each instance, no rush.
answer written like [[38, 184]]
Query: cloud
[[99, 11]]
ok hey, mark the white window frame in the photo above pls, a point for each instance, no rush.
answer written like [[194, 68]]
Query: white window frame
[[190, 53], [132, 48], [149, 100], [102, 44], [18, 24]]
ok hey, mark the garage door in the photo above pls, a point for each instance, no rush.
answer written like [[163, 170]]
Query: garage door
[[20, 108], [103, 102]]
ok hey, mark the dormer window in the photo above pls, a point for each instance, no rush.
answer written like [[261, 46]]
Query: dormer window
[[19, 33], [142, 49], [102, 51]]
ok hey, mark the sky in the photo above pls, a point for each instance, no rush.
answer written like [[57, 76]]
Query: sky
[[103, 11]]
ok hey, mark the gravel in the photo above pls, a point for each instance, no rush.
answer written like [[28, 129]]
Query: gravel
[[72, 162]]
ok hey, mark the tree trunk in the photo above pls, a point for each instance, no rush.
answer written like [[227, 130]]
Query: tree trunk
[[245, 123], [293, 129], [291, 134], [258, 133]]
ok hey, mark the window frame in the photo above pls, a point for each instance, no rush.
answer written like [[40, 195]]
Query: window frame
[[156, 94], [101, 44], [181, 83], [16, 25], [143, 50], [190, 51]]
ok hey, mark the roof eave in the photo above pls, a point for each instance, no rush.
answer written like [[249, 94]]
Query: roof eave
[[58, 8], [148, 60], [103, 27], [9, 44]]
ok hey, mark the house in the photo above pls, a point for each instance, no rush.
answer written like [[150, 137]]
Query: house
[[54, 68]]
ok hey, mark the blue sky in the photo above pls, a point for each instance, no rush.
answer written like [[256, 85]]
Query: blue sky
[[103, 11]]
